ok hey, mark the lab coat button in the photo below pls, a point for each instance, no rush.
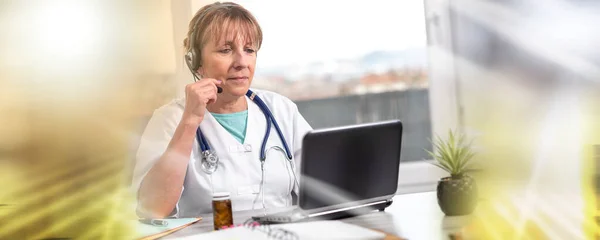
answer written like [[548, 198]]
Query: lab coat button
[[248, 148]]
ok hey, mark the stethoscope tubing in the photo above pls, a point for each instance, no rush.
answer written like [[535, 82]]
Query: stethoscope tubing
[[268, 114], [204, 147]]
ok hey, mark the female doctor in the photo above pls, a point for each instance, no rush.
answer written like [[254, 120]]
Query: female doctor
[[223, 136]]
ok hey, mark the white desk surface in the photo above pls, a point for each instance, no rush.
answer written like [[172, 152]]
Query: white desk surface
[[411, 216]]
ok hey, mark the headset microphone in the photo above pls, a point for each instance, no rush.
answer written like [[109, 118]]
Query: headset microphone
[[192, 57], [189, 60]]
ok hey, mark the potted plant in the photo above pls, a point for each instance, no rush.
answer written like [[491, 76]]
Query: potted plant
[[457, 194]]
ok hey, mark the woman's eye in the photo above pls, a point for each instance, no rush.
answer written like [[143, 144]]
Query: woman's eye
[[250, 50], [225, 51]]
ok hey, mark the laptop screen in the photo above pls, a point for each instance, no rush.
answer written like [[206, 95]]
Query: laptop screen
[[349, 164]]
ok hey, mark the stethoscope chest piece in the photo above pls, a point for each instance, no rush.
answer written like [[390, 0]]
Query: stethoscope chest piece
[[210, 161]]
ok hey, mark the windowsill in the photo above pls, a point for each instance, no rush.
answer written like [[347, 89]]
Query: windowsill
[[416, 188], [419, 176]]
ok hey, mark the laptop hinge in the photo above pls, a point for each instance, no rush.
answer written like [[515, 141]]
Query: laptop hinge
[[346, 208]]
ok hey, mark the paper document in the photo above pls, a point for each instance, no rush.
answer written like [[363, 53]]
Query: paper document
[[147, 232], [331, 230]]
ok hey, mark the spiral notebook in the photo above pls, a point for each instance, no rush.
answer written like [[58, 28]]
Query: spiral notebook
[[331, 230]]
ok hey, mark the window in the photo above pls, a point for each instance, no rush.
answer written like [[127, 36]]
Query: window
[[357, 62]]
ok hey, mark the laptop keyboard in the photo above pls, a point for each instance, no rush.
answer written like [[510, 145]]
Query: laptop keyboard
[[283, 217]]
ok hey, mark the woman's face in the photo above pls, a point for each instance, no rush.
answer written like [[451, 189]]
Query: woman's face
[[230, 59]]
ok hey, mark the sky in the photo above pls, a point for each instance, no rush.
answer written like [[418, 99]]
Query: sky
[[324, 30]]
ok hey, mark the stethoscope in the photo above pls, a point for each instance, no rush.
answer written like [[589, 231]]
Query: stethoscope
[[210, 160]]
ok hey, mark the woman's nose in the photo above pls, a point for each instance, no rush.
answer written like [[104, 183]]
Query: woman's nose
[[241, 60]]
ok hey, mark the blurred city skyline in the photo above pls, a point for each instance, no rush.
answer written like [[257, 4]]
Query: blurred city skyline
[[375, 72], [321, 49]]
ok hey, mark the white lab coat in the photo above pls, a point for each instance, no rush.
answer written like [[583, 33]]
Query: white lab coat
[[239, 169]]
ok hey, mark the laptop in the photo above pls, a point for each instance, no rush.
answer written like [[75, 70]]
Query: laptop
[[345, 171]]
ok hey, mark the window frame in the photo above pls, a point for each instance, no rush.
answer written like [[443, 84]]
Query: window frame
[[444, 105]]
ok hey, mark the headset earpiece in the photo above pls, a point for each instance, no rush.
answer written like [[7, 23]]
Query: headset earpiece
[[189, 60]]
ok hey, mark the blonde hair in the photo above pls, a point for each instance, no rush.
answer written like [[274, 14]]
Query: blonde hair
[[215, 19]]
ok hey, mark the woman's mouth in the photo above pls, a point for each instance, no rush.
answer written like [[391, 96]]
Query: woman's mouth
[[237, 79]]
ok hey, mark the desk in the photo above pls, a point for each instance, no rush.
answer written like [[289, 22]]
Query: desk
[[412, 216]]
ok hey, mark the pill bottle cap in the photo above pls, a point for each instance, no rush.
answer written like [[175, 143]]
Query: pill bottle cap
[[219, 196]]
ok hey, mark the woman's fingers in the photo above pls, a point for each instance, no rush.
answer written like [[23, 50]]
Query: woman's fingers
[[200, 94], [211, 95]]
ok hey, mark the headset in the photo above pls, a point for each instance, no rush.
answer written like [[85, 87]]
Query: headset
[[193, 55]]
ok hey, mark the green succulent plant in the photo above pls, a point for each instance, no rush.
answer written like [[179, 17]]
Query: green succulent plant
[[453, 155]]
